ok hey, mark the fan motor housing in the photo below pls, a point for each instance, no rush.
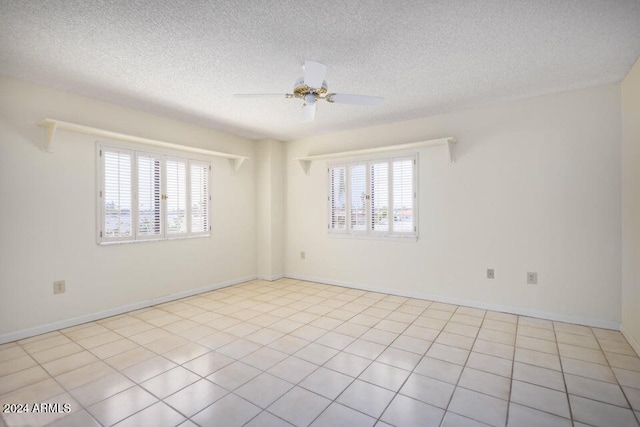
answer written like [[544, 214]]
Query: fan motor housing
[[300, 90]]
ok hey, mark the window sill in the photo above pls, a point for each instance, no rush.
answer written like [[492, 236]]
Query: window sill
[[412, 238], [128, 242]]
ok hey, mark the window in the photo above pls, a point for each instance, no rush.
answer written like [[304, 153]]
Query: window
[[151, 196], [376, 198]]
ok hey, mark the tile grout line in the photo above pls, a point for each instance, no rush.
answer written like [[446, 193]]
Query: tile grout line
[[66, 391], [266, 371], [318, 366], [118, 370], [335, 400], [372, 327], [278, 292], [371, 360], [626, 398], [232, 392], [157, 355], [539, 385], [343, 322], [355, 338], [564, 379], [136, 383], [462, 371], [386, 348], [513, 363], [305, 377]]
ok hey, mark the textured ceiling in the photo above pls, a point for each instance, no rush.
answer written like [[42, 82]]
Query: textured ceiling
[[185, 59]]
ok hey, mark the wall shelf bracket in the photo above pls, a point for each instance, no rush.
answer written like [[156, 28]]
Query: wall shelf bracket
[[450, 143], [51, 128], [236, 164], [306, 165]]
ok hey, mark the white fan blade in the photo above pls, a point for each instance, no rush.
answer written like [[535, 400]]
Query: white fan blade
[[261, 95], [314, 73], [343, 98], [308, 112]]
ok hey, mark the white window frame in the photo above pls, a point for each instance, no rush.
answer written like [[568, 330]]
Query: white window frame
[[163, 156], [369, 233]]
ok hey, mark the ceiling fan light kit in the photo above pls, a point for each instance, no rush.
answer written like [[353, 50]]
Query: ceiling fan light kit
[[312, 87], [309, 108]]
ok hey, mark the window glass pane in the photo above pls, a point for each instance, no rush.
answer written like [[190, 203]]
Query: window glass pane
[[338, 196], [149, 192], [379, 181], [199, 198], [176, 196], [357, 195], [117, 194], [403, 196]]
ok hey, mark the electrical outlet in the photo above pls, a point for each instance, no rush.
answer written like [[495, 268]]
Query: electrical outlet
[[303, 255], [532, 278], [490, 273], [59, 287]]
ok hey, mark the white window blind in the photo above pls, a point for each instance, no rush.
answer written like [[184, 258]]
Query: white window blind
[[358, 197], [176, 197], [117, 194], [151, 196], [338, 198], [199, 177], [379, 190], [403, 196], [381, 197]]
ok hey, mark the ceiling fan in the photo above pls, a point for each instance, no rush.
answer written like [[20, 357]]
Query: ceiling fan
[[312, 87]]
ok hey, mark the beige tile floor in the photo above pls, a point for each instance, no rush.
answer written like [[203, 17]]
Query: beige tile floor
[[299, 353]]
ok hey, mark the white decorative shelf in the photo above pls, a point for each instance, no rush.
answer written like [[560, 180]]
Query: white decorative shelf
[[305, 162], [55, 125]]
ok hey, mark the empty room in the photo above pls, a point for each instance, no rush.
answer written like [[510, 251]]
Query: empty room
[[319, 213]]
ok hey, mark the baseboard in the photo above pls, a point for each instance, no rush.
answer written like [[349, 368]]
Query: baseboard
[[468, 303], [631, 339], [43, 329], [270, 278]]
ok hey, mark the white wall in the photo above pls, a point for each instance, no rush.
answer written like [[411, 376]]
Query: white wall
[[536, 187], [270, 208], [278, 219], [631, 206], [263, 208], [48, 214]]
